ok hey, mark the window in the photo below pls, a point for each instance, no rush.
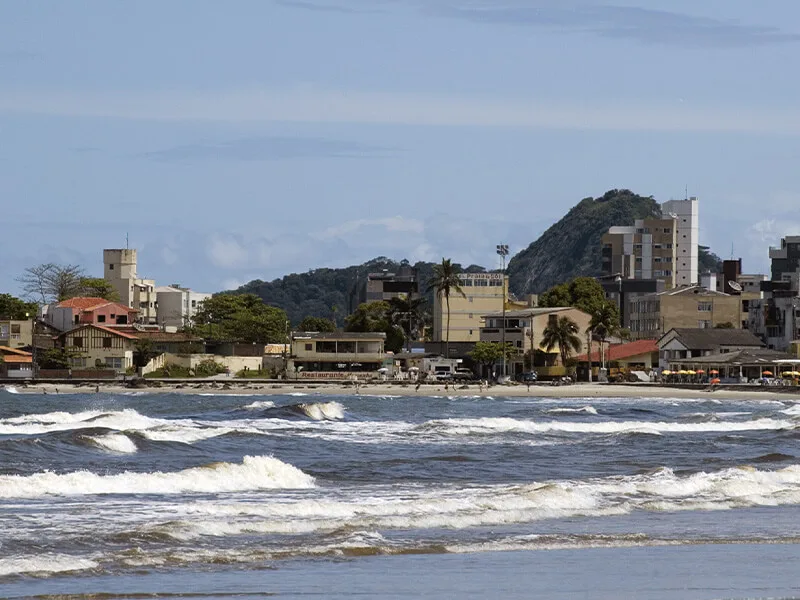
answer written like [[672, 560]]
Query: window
[[113, 316], [15, 328], [101, 318], [114, 362], [667, 230], [106, 342], [704, 306], [142, 304], [194, 303], [111, 266], [704, 324], [77, 341], [669, 246], [470, 298], [309, 347]]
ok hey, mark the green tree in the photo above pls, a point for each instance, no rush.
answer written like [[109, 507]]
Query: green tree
[[604, 323], [51, 282], [16, 309], [97, 287], [444, 282], [584, 293], [376, 317], [487, 354], [143, 353], [316, 324], [240, 317], [54, 358], [563, 332], [407, 313]]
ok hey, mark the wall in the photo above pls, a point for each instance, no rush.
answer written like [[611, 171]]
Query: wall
[[234, 363]]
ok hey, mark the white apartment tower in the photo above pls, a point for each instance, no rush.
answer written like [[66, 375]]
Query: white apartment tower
[[119, 269], [686, 215]]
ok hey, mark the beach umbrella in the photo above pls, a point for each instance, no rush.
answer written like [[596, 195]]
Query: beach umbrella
[[786, 374], [766, 372], [666, 372], [715, 380], [713, 372], [699, 371], [691, 372]]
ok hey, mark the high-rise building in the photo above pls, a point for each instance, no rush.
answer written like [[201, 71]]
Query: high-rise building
[[786, 259], [484, 293], [687, 219], [385, 285], [119, 269]]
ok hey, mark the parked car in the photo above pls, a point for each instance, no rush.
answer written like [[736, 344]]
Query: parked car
[[528, 377], [463, 375]]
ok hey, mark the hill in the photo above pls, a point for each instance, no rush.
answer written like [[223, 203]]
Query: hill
[[571, 247]]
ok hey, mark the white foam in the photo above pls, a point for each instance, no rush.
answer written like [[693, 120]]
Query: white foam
[[323, 411], [255, 473], [583, 409], [114, 442], [36, 424], [11, 389], [261, 404], [793, 410], [44, 563]]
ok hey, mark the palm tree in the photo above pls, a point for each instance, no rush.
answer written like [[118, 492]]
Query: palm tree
[[406, 312], [444, 282], [562, 332], [605, 323]]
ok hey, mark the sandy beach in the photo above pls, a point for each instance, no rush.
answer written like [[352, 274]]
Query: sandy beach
[[577, 390]]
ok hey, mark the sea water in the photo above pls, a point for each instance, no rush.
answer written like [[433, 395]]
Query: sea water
[[396, 497]]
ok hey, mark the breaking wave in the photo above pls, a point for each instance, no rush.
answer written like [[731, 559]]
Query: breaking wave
[[41, 564], [254, 473], [113, 442], [584, 409]]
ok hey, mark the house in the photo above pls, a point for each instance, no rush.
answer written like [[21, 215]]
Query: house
[[16, 333], [639, 355], [524, 328], [168, 342], [680, 344], [98, 346], [336, 354], [177, 306], [84, 310], [15, 363]]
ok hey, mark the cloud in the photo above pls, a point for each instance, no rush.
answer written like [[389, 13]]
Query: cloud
[[268, 148], [644, 25], [312, 104], [389, 224]]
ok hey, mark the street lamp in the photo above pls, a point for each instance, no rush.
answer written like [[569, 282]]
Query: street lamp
[[502, 250]]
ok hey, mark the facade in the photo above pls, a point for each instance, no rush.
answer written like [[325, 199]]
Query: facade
[[776, 320], [665, 249], [524, 328], [176, 306], [16, 333], [119, 269], [336, 354], [681, 344], [685, 307], [483, 293], [385, 285], [71, 313], [623, 292], [785, 260], [15, 364], [98, 346]]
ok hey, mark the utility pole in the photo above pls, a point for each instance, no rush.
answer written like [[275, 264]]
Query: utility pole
[[502, 250]]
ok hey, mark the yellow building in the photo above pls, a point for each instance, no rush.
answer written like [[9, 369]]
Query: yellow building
[[336, 354], [15, 333], [688, 307], [483, 293], [99, 346]]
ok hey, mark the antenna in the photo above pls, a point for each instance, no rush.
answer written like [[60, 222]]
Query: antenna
[[126, 241], [687, 191], [732, 251]]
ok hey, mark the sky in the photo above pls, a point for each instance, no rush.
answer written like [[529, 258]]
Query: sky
[[232, 141]]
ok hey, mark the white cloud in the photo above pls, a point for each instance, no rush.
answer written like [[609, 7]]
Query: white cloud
[[392, 224], [227, 252], [312, 104]]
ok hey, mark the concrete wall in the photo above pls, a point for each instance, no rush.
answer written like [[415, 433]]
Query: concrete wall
[[234, 363]]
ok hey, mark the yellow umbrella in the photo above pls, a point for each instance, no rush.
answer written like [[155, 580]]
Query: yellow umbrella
[[690, 372], [683, 372], [787, 373], [666, 372]]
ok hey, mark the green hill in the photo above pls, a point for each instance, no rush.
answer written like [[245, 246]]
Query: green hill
[[571, 247]]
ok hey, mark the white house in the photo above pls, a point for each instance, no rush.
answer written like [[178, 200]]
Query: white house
[[177, 306]]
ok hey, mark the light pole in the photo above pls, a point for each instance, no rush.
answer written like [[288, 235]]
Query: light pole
[[502, 250]]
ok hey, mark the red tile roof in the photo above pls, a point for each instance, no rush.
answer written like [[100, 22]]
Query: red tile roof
[[623, 351], [101, 328], [9, 350], [83, 303]]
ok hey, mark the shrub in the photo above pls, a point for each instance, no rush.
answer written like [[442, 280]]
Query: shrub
[[208, 367]]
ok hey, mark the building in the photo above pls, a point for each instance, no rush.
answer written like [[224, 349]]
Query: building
[[169, 342], [81, 311], [15, 363], [641, 355], [385, 285], [623, 292], [776, 320], [747, 364], [336, 354], [665, 249], [524, 328], [680, 344], [98, 346], [16, 333], [119, 269], [785, 261], [176, 306], [692, 307], [483, 293]]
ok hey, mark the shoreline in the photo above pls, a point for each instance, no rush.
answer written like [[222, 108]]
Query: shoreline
[[384, 389]]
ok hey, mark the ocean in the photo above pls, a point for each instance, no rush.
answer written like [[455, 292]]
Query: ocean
[[296, 496]]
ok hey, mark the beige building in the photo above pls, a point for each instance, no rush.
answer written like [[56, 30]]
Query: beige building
[[687, 307], [15, 333], [524, 328], [335, 354], [483, 293], [648, 250], [98, 346], [119, 269]]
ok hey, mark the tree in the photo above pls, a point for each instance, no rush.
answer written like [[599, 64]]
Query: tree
[[16, 309], [407, 313], [376, 317], [443, 282], [604, 323], [584, 293], [563, 332], [51, 282], [240, 317], [316, 324], [97, 287], [487, 354], [143, 353], [54, 358], [725, 325]]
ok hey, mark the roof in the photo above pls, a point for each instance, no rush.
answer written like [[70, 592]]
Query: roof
[[101, 328], [18, 359], [83, 303], [6, 350], [685, 290], [703, 339], [623, 351], [338, 335], [744, 357], [530, 312], [165, 336]]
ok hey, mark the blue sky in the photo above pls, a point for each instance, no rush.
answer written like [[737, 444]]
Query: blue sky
[[250, 139]]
